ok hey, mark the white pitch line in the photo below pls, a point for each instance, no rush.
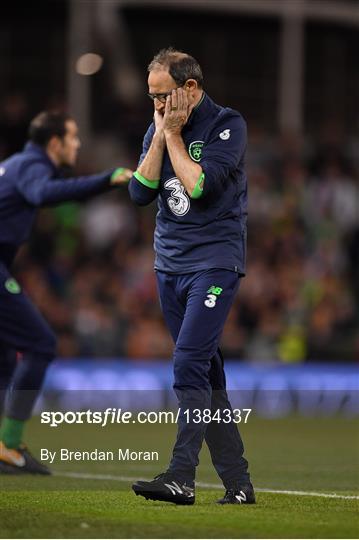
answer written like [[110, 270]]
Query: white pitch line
[[88, 476]]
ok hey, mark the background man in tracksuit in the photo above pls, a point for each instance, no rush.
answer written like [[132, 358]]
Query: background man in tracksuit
[[28, 180], [193, 162]]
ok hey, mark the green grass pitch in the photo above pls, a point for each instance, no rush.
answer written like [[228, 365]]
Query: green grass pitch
[[95, 500]]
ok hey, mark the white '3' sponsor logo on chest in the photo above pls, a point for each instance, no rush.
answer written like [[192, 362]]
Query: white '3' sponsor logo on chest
[[178, 202], [225, 134]]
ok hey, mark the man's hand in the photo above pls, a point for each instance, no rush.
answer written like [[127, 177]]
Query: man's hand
[[121, 176], [159, 133], [158, 120], [176, 112]]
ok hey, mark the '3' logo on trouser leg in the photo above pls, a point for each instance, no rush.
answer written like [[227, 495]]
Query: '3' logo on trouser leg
[[211, 299]]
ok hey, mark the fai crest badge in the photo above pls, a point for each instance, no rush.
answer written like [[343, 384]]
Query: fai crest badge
[[195, 150]]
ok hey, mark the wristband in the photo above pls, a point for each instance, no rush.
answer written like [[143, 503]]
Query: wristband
[[117, 171], [198, 190], [148, 183]]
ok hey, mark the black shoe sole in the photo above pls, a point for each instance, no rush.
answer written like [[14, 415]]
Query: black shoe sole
[[6, 468], [148, 495], [235, 503], [10, 469]]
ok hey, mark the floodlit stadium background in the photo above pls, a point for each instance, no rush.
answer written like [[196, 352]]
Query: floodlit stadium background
[[291, 68]]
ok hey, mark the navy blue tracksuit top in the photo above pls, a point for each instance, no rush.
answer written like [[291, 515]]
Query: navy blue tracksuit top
[[27, 181], [209, 232]]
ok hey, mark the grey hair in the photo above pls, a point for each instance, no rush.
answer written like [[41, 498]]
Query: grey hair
[[181, 66]]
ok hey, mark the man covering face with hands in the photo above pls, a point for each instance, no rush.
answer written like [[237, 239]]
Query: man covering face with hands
[[193, 163]]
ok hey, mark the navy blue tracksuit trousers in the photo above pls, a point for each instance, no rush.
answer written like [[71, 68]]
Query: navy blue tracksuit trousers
[[22, 329], [195, 307]]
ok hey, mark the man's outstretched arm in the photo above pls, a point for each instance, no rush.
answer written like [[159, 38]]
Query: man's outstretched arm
[[39, 189]]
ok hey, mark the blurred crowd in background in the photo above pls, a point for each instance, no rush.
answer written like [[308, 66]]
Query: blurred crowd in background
[[89, 267]]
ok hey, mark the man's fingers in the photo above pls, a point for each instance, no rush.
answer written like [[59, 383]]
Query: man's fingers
[[176, 113], [168, 105], [180, 99], [174, 100], [184, 100]]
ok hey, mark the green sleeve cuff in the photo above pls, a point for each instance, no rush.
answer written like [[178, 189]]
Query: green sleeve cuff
[[198, 190], [153, 184]]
